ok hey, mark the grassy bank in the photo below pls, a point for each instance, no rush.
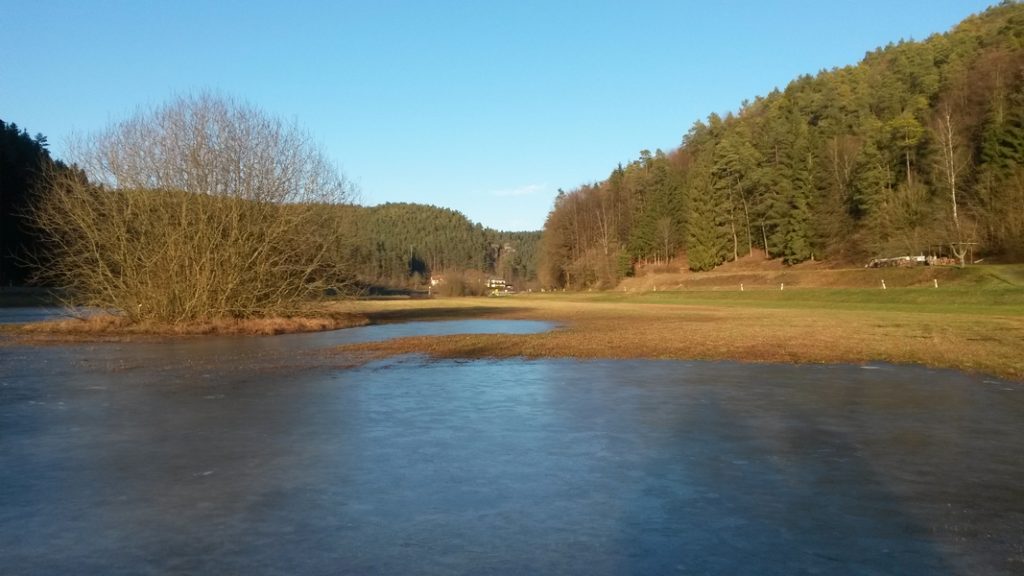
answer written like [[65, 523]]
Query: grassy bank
[[974, 321], [107, 327], [991, 300], [960, 328], [755, 273]]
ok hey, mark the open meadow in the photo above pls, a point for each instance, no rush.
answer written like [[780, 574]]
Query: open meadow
[[975, 324], [974, 320]]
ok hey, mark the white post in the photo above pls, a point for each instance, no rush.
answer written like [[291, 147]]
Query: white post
[[883, 284], [936, 280], [782, 285], [741, 287]]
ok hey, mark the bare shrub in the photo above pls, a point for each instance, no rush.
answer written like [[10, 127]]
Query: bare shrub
[[462, 283], [199, 209]]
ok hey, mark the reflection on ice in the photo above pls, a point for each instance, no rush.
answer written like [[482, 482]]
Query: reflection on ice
[[225, 456]]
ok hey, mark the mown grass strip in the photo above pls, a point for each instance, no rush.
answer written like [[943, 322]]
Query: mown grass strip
[[998, 301]]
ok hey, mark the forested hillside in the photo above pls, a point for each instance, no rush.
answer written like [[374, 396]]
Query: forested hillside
[[391, 245], [918, 149], [24, 160], [401, 245]]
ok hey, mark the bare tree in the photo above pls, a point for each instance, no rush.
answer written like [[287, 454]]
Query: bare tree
[[664, 229], [953, 161], [201, 208]]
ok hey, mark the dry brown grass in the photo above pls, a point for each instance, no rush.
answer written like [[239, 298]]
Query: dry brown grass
[[591, 329], [757, 273], [101, 327]]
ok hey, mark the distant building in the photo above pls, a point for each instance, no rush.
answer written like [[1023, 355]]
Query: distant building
[[899, 262], [499, 287]]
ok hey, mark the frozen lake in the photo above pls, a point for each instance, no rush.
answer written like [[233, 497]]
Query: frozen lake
[[269, 456]]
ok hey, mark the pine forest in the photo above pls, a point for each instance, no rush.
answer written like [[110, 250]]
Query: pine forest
[[917, 150]]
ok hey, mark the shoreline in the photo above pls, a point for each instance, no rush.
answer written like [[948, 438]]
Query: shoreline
[[591, 329], [110, 328], [614, 326]]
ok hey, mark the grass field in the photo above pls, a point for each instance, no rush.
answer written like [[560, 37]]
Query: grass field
[[976, 329], [974, 320], [992, 300]]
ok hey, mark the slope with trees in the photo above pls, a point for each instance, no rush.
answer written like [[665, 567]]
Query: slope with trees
[[400, 245], [24, 163], [207, 208], [917, 149]]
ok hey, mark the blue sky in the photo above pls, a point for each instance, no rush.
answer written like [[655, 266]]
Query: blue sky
[[484, 107]]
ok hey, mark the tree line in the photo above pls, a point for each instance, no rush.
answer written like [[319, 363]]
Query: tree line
[[401, 245], [25, 162], [206, 207], [917, 149]]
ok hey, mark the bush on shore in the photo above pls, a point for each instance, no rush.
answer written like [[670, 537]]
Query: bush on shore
[[199, 210]]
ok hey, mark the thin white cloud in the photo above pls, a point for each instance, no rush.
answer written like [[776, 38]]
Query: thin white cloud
[[528, 190]]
